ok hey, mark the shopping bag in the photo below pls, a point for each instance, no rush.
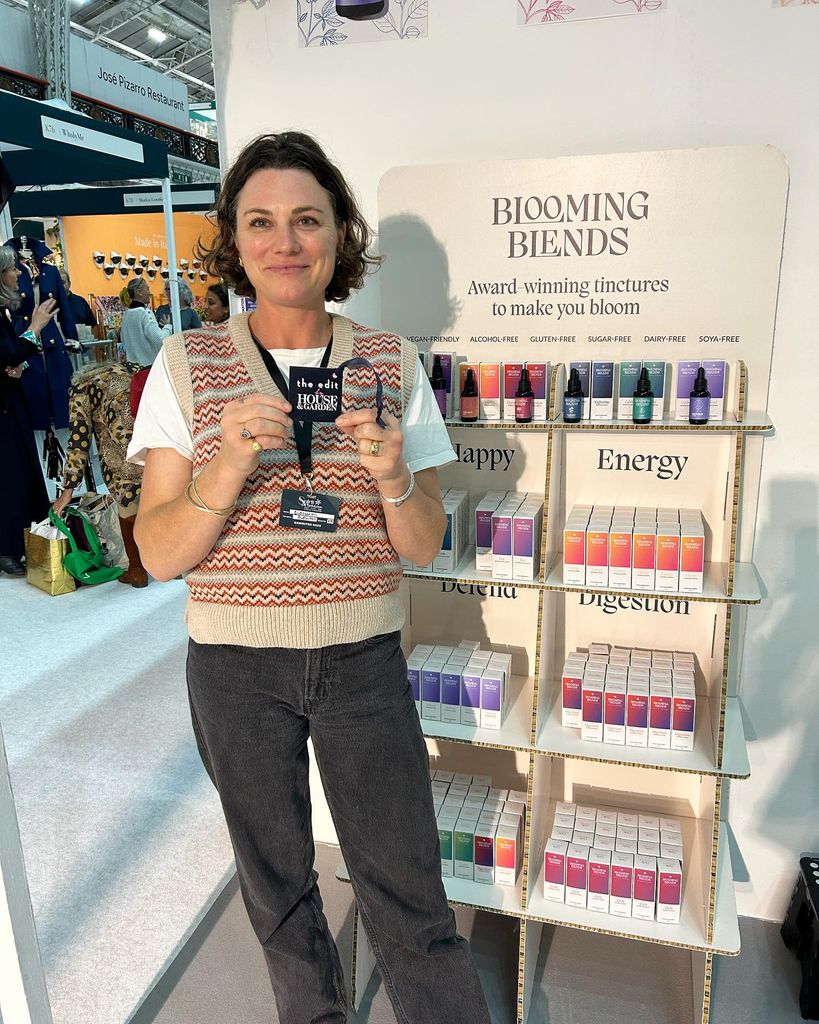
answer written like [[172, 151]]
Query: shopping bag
[[85, 566], [101, 510], [44, 564]]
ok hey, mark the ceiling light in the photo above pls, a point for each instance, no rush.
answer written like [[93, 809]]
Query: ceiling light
[[156, 34]]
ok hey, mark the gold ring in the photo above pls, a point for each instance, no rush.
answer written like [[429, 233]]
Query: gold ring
[[255, 446], [375, 447]]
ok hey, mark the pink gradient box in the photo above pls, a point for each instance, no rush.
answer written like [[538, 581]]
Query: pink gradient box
[[668, 558], [614, 713], [622, 884], [645, 888], [554, 871], [598, 883], [592, 725], [669, 891], [572, 696], [577, 874], [597, 555], [683, 717], [637, 715], [574, 554], [659, 718]]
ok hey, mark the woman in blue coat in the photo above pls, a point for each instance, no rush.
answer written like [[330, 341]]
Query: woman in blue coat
[[48, 378]]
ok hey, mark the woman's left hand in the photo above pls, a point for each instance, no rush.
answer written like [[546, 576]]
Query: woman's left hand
[[388, 464], [15, 371]]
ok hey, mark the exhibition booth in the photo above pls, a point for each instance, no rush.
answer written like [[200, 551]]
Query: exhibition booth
[[609, 285]]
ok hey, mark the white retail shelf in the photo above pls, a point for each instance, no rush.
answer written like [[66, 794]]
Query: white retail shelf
[[747, 588], [516, 731], [467, 573], [752, 422], [690, 933], [553, 738], [499, 899]]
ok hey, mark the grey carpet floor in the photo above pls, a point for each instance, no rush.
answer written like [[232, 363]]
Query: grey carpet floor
[[122, 832], [592, 979]]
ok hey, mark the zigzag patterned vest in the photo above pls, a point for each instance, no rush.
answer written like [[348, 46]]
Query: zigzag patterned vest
[[263, 585]]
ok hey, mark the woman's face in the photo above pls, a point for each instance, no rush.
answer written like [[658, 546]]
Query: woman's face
[[214, 310], [9, 276], [287, 238], [144, 293]]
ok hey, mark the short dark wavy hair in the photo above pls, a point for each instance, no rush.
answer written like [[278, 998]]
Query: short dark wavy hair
[[288, 151]]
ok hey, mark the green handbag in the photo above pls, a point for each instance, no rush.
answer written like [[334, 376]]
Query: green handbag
[[85, 566]]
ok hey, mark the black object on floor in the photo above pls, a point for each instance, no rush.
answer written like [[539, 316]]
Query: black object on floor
[[12, 566], [800, 932]]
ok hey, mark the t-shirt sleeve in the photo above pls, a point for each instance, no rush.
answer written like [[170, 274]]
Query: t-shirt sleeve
[[426, 440], [160, 422]]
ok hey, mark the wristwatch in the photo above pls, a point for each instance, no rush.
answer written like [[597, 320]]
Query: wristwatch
[[398, 502]]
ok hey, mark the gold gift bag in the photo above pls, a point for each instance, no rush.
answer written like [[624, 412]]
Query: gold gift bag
[[44, 565]]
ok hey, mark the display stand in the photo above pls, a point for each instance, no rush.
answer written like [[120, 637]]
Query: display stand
[[544, 620]]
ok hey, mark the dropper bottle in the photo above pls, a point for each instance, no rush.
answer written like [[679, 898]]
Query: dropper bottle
[[699, 405], [643, 399], [573, 398]]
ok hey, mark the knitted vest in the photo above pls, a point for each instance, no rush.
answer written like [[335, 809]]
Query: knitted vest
[[263, 585]]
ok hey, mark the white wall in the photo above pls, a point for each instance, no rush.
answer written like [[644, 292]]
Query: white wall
[[705, 73]]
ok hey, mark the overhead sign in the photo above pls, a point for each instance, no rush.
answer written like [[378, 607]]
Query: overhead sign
[[199, 199], [72, 134]]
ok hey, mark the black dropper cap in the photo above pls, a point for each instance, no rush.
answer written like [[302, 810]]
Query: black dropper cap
[[701, 385], [574, 388], [644, 385], [470, 389], [524, 385]]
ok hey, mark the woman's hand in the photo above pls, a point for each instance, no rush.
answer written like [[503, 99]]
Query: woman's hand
[[387, 467], [265, 418], [15, 372], [64, 499], [43, 315]]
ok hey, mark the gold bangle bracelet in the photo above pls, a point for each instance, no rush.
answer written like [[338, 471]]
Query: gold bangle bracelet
[[193, 497]]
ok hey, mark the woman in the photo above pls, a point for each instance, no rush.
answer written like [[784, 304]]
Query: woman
[[99, 405], [295, 632], [189, 318], [25, 499], [217, 304], [140, 334]]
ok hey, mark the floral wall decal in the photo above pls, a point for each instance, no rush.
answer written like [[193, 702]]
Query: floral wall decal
[[320, 25], [541, 12]]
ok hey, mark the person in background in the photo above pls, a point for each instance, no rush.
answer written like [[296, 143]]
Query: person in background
[[99, 406], [217, 304], [24, 498], [190, 318], [80, 309], [141, 336]]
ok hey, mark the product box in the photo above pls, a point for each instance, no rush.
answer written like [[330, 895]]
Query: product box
[[584, 839], [451, 692], [585, 817], [577, 873], [507, 854], [564, 807], [626, 846], [602, 391], [527, 528], [485, 852], [539, 379], [446, 366], [471, 693], [686, 375], [574, 553], [659, 718], [566, 834], [511, 379], [604, 817], [716, 373], [490, 391], [614, 716], [683, 715], [493, 697], [645, 888], [591, 727], [597, 554], [622, 884], [598, 883], [604, 843], [454, 542], [656, 375], [415, 665], [464, 847], [647, 848], [637, 715], [671, 851], [620, 539], [584, 372], [554, 871], [669, 891], [628, 832], [572, 716], [502, 523], [431, 689], [692, 556], [668, 558], [626, 819], [628, 373], [446, 825]]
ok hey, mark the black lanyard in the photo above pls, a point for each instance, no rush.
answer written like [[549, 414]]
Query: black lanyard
[[302, 430]]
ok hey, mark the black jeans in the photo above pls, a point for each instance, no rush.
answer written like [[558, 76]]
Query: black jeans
[[253, 710]]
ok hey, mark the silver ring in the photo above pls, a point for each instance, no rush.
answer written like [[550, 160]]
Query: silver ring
[[245, 434]]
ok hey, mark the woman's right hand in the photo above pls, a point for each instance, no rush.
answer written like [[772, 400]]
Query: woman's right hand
[[265, 417], [43, 315]]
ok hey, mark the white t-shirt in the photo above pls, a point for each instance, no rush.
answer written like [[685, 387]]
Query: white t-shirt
[[160, 422]]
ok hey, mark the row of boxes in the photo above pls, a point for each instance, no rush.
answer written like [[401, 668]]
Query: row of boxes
[[615, 862], [508, 531], [460, 685], [597, 382], [497, 384], [636, 698], [456, 536], [480, 828], [634, 548]]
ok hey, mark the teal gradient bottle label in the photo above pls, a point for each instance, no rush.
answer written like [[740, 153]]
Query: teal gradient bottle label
[[642, 408]]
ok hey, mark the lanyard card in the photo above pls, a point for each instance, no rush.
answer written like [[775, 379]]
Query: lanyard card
[[315, 393], [306, 510]]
